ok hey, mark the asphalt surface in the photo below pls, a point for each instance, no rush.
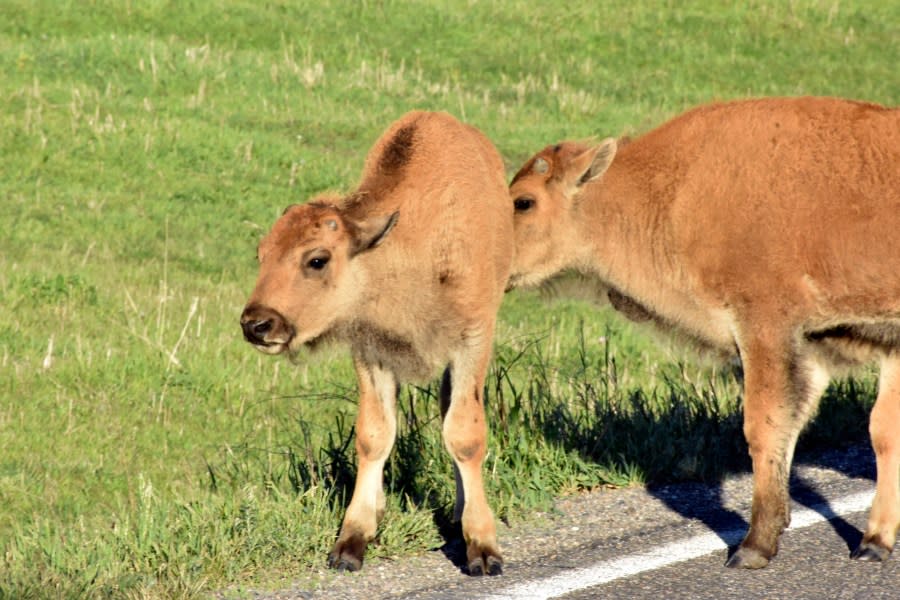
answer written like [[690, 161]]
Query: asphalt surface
[[608, 525]]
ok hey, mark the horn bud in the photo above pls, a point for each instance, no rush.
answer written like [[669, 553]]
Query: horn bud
[[540, 165]]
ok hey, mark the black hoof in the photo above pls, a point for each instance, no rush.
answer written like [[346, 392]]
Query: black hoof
[[344, 563], [494, 566], [747, 558], [870, 552], [491, 565], [347, 554]]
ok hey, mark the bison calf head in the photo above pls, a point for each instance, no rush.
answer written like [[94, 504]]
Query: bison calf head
[[548, 223], [308, 278]]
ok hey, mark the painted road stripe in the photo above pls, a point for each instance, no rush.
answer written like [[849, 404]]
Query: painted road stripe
[[675, 552]]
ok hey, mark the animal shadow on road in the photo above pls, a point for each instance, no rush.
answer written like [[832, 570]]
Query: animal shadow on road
[[857, 462], [685, 455], [707, 504]]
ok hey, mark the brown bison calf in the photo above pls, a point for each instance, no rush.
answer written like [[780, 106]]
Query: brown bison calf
[[410, 271], [769, 229]]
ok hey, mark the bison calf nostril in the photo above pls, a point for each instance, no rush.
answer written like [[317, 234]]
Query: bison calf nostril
[[261, 328], [255, 330]]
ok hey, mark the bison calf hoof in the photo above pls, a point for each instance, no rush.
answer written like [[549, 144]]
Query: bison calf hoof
[[347, 554], [870, 552], [747, 558], [484, 563], [344, 563]]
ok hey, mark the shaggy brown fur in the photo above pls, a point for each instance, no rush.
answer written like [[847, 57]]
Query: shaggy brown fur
[[409, 270], [768, 229]]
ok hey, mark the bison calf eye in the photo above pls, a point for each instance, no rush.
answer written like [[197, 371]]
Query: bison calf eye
[[524, 203], [314, 262], [317, 263]]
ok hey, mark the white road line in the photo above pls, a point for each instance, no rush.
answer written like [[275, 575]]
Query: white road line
[[610, 570]]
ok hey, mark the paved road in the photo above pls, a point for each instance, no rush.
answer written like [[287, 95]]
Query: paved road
[[613, 527]]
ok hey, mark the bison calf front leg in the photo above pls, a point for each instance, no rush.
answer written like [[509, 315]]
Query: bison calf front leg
[[376, 428], [465, 436], [781, 390]]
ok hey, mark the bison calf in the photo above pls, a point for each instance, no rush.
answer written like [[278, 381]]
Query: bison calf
[[767, 228], [409, 270]]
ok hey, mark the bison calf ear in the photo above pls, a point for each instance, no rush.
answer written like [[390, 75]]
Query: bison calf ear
[[371, 232], [592, 164]]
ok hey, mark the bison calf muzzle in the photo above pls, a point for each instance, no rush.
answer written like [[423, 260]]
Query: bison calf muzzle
[[263, 326]]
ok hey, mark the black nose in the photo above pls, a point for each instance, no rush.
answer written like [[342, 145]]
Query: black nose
[[255, 331], [263, 326]]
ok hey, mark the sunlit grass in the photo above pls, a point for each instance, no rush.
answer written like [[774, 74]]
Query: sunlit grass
[[147, 450]]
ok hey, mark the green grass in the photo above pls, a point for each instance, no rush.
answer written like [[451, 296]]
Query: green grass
[[147, 451]]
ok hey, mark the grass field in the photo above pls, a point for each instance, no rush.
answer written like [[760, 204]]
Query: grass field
[[146, 451]]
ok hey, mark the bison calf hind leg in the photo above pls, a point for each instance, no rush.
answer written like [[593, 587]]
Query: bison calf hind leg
[[884, 428]]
